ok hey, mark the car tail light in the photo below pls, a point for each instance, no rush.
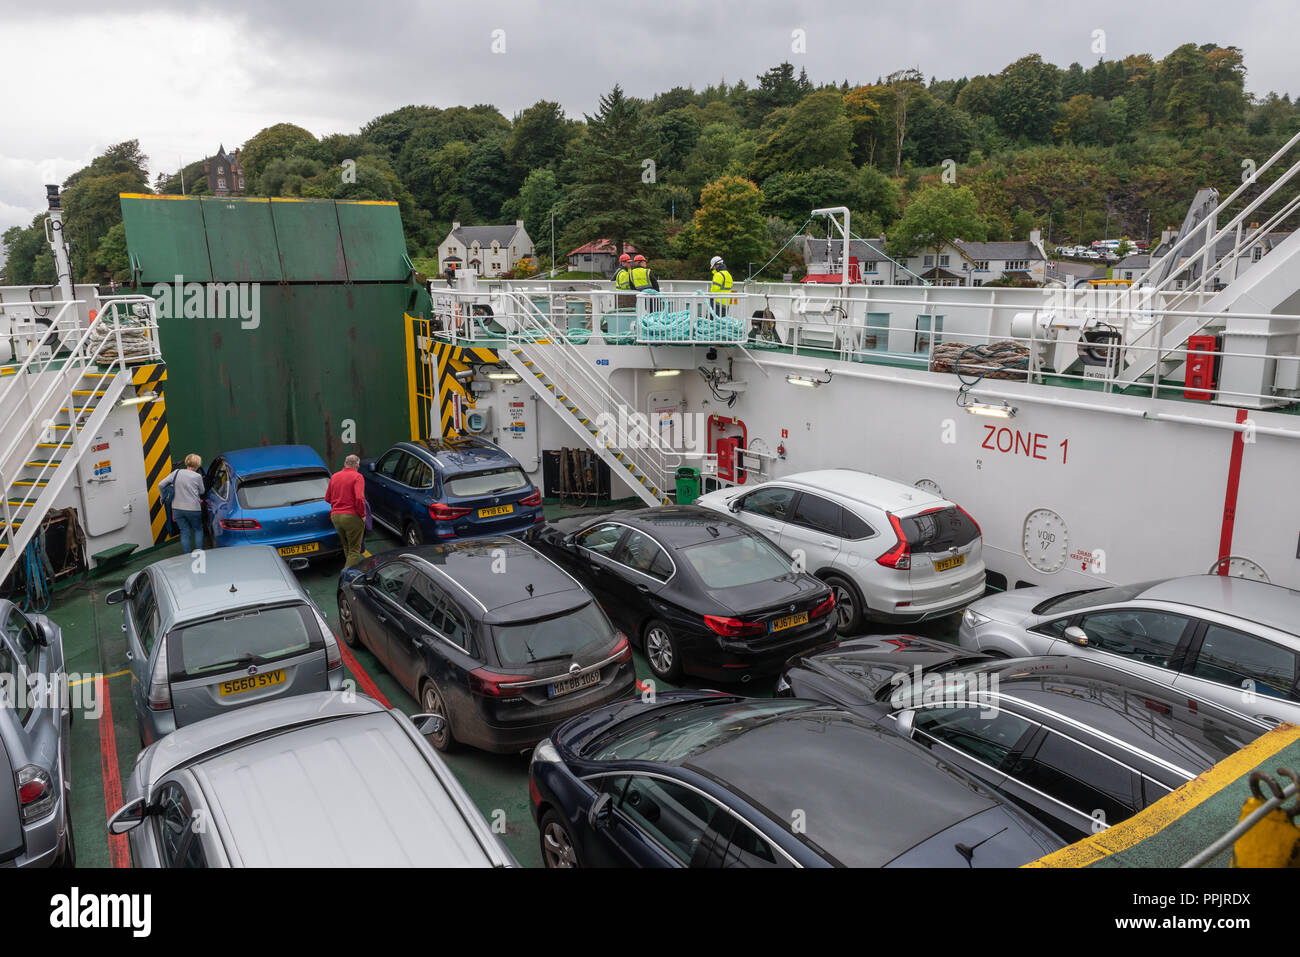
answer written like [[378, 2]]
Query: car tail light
[[532, 501], [240, 524], [623, 650], [824, 608], [489, 684], [446, 513], [160, 689], [972, 521], [734, 627], [534, 795], [900, 556], [35, 792]]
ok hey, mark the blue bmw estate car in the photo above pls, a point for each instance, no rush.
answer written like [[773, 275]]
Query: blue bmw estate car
[[273, 495], [436, 490]]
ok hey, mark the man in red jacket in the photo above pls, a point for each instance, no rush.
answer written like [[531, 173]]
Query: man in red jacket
[[346, 494]]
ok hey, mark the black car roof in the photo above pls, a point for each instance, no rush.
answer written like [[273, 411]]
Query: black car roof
[[494, 574], [1166, 723], [862, 794], [681, 526]]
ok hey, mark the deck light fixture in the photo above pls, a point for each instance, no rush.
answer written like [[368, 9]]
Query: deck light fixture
[[665, 372], [1003, 411], [808, 381]]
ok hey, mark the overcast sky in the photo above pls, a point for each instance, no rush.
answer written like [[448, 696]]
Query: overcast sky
[[183, 78]]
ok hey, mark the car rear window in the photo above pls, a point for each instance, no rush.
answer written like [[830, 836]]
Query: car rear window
[[677, 733], [561, 636], [245, 638], [743, 560], [1091, 598], [283, 489], [487, 483], [939, 530]]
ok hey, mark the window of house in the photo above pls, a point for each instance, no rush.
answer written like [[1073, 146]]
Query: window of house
[[982, 264], [870, 266], [1256, 254], [929, 260], [943, 260], [221, 184]]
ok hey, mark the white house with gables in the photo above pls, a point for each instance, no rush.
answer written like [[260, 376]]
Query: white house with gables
[[958, 263], [488, 250]]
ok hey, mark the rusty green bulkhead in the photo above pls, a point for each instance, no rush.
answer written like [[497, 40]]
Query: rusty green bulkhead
[[309, 348]]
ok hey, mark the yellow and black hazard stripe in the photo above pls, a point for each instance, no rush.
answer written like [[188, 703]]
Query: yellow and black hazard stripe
[[431, 377], [155, 441], [450, 360]]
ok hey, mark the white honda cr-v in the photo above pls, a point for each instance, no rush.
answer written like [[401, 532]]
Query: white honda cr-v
[[891, 552]]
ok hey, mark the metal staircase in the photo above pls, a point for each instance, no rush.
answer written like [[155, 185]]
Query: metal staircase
[[55, 402], [1206, 255], [541, 355]]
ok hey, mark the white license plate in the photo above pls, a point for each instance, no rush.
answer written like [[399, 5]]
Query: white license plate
[[569, 685]]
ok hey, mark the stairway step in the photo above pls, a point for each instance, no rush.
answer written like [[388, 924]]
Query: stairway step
[[3, 524], [96, 393], [30, 483], [41, 463], [52, 445], [19, 503], [62, 428]]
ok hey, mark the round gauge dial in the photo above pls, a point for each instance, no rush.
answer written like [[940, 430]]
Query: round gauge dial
[[1046, 541], [926, 485], [1238, 567]]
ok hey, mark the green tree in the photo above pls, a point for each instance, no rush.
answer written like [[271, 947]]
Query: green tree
[[730, 222], [937, 215], [979, 96], [111, 258], [611, 196], [815, 132], [539, 194], [677, 131], [275, 142], [537, 138], [876, 195], [1026, 99], [487, 181]]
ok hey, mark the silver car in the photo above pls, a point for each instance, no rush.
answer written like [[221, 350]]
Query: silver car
[[320, 780], [1229, 640], [35, 820], [232, 629]]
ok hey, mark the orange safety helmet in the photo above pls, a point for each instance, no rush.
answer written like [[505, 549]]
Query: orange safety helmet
[[624, 259], [638, 258]]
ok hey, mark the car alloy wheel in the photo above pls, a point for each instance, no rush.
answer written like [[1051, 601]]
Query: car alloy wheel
[[661, 651], [848, 610], [558, 850], [346, 624], [412, 536], [431, 703]]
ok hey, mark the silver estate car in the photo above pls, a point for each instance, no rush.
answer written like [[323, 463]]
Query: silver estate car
[[232, 630], [1232, 641], [35, 717], [319, 780]]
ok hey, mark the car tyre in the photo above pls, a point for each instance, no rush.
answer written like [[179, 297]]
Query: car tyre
[[662, 651], [347, 624], [412, 537], [849, 607], [558, 847], [432, 702]]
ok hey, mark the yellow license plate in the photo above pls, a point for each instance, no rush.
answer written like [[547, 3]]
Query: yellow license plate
[[499, 510], [251, 682], [789, 621], [300, 549], [944, 564]]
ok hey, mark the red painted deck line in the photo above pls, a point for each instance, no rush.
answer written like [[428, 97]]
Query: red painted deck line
[[119, 854], [1230, 496], [367, 683]]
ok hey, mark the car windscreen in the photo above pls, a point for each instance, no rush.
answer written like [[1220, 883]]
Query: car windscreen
[[491, 482], [742, 560], [1090, 598], [561, 636], [249, 637], [939, 530], [680, 732], [283, 488]]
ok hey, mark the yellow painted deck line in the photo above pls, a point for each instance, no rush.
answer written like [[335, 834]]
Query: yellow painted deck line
[[115, 674], [1174, 805]]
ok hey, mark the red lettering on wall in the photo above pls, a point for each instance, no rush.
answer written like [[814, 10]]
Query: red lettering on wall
[[1040, 443], [1029, 444], [989, 437]]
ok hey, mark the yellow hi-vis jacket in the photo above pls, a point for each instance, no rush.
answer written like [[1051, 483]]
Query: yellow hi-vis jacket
[[641, 278], [623, 278], [722, 283]]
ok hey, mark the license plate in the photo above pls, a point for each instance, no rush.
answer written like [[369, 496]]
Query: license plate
[[573, 684], [251, 682], [499, 510], [299, 549], [946, 563], [789, 621]]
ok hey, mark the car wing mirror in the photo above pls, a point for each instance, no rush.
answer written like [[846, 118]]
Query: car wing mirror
[[568, 540], [370, 466], [128, 817], [599, 814], [905, 721], [45, 633], [428, 724], [116, 597], [1077, 636]]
